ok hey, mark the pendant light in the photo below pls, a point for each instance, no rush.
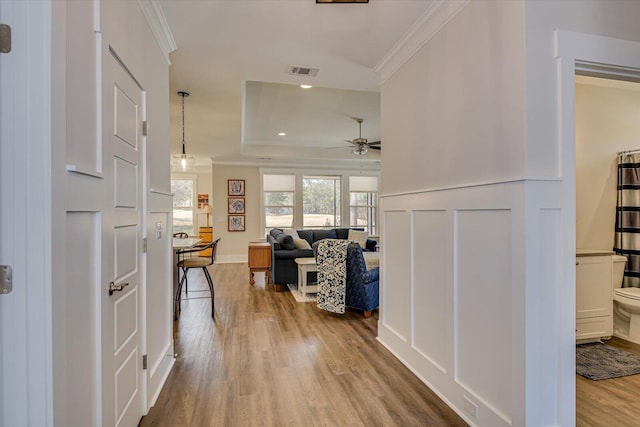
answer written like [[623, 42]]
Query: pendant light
[[183, 162]]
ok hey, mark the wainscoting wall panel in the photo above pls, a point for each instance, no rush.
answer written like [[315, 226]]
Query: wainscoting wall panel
[[549, 293], [82, 310], [395, 317], [159, 296], [482, 289], [430, 322], [83, 42], [463, 251]]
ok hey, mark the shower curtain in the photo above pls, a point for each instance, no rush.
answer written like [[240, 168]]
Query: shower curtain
[[627, 234]]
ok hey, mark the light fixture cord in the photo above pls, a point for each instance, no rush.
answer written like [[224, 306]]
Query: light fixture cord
[[183, 150]]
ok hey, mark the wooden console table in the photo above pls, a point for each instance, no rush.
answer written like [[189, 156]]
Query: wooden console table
[[260, 260]]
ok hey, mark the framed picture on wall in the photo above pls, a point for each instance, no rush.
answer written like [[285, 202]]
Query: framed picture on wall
[[236, 222], [236, 187], [236, 205]]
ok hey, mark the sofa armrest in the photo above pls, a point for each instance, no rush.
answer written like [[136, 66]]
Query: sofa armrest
[[275, 246], [371, 275]]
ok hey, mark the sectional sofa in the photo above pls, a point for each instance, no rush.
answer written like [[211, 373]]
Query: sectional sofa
[[285, 248]]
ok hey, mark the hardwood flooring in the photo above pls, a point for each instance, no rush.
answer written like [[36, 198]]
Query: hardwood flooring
[[607, 403], [267, 360]]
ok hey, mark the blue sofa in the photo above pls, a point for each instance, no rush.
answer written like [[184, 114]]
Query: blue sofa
[[283, 252]]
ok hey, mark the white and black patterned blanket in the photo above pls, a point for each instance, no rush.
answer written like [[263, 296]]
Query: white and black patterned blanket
[[332, 275]]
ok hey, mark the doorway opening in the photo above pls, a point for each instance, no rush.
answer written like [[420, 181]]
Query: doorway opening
[[606, 124]]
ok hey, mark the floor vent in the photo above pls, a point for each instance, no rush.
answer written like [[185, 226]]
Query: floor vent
[[303, 71]]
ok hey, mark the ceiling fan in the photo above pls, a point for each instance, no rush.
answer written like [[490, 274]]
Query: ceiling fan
[[360, 144]]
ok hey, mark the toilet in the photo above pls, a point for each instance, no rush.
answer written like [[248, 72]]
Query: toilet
[[626, 305]]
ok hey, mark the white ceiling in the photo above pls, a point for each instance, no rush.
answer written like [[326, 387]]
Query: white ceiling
[[228, 48]]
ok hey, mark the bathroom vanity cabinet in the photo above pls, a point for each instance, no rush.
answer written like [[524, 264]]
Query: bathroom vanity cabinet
[[594, 298]]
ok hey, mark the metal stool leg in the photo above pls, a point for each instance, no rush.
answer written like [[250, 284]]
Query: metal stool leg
[[210, 282], [177, 305]]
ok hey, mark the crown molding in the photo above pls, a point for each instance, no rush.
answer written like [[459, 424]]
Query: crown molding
[[156, 19], [428, 25]]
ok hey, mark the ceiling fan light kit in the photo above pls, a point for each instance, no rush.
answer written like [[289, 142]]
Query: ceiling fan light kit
[[361, 145], [360, 150]]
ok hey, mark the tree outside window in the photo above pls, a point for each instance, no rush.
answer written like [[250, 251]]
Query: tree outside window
[[183, 206], [321, 201], [278, 207], [363, 210], [363, 202]]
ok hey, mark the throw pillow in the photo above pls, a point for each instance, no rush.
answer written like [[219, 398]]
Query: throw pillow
[[291, 232], [286, 241], [301, 244], [306, 235], [360, 237]]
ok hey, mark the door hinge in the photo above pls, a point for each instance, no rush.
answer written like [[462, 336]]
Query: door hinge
[[144, 128], [6, 279], [144, 361], [144, 245], [5, 38]]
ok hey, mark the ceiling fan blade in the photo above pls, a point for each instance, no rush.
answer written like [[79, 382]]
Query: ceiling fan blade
[[351, 142], [376, 147], [373, 143]]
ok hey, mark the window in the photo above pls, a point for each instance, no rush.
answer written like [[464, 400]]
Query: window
[[278, 201], [321, 201], [316, 199], [363, 201], [183, 190]]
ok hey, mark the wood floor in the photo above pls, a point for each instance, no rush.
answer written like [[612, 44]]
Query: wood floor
[[607, 403], [267, 360]]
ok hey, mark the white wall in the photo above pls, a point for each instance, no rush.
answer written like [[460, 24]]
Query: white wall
[[606, 123], [456, 103], [482, 218]]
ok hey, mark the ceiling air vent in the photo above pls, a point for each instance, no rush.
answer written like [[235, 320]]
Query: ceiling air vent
[[303, 71]]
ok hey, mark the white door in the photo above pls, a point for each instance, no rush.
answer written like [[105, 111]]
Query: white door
[[121, 248]]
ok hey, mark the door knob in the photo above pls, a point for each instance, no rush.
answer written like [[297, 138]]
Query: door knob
[[116, 288]]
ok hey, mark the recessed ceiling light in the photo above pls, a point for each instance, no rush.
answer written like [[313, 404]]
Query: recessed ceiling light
[[282, 134], [306, 86]]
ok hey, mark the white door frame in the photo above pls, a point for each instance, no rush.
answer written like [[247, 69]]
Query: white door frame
[[609, 57], [26, 385]]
